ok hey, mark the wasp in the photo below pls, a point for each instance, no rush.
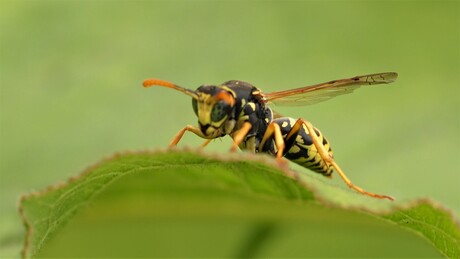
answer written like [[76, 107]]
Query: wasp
[[242, 111]]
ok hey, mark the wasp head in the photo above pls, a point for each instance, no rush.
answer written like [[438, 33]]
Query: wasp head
[[213, 106]]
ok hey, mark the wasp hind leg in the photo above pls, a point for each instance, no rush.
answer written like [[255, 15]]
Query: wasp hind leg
[[330, 161]]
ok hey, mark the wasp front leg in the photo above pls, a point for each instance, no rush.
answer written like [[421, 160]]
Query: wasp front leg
[[205, 143], [330, 161], [180, 134], [239, 136]]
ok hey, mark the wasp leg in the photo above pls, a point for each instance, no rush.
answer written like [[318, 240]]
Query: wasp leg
[[330, 162], [274, 130], [239, 136], [180, 134], [205, 143]]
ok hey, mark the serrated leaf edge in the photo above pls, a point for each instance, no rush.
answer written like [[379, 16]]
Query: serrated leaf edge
[[264, 159]]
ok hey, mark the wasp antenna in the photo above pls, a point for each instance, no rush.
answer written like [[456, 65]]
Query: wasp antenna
[[157, 82], [152, 82]]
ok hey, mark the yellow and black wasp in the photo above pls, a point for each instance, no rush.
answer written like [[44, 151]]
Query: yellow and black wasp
[[241, 110]]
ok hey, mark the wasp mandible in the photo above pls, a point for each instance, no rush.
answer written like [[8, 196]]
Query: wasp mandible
[[241, 110]]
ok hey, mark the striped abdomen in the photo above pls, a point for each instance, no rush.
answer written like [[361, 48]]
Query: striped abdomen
[[300, 148]]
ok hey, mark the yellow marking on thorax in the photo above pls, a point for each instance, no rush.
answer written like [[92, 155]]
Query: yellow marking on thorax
[[252, 105], [226, 88]]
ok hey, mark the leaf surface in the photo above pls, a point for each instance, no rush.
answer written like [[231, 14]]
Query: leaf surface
[[192, 204]]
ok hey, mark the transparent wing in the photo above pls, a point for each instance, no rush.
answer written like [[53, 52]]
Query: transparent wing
[[324, 91]]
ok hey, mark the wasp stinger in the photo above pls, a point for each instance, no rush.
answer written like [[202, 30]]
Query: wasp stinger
[[241, 110]]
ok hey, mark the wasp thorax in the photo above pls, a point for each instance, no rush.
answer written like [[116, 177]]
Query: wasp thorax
[[213, 107]]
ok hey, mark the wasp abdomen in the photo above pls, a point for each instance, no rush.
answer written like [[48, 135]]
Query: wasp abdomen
[[299, 145]]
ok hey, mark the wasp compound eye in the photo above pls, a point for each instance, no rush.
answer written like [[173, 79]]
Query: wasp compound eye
[[195, 106], [219, 111]]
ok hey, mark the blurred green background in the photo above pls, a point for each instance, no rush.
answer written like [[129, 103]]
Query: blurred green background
[[71, 74]]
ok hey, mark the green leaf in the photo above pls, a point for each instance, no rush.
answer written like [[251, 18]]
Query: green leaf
[[190, 204]]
